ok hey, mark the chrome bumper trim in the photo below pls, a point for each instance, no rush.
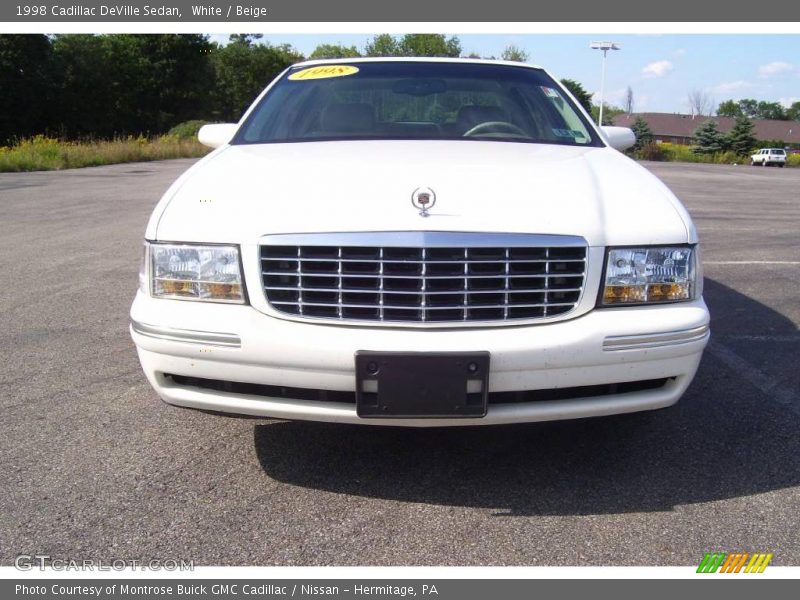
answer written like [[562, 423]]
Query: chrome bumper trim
[[423, 239], [206, 338], [655, 340]]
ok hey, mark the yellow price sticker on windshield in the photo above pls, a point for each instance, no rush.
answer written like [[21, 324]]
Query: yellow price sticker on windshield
[[323, 72]]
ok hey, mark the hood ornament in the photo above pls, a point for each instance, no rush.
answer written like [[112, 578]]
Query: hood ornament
[[423, 199]]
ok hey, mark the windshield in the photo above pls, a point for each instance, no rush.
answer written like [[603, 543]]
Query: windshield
[[416, 100]]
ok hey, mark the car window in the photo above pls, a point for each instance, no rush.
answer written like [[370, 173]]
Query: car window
[[417, 100]]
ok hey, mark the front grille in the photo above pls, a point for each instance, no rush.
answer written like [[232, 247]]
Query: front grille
[[424, 283]]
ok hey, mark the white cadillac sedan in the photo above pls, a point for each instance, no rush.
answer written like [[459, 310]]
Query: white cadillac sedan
[[419, 242]]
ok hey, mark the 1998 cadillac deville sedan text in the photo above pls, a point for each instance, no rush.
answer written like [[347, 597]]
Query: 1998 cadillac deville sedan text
[[419, 242]]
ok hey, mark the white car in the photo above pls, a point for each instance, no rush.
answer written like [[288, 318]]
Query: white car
[[419, 242], [769, 156]]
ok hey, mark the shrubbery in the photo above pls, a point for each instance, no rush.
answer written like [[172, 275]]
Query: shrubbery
[[41, 153], [679, 153], [651, 151], [187, 130]]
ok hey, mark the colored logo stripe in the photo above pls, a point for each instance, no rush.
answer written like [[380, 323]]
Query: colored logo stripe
[[734, 562], [758, 563], [711, 562]]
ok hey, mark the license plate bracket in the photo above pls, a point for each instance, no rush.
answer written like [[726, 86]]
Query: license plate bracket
[[421, 384]]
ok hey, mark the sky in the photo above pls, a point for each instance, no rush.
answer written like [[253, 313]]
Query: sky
[[660, 69]]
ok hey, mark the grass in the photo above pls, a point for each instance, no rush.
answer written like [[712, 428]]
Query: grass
[[41, 153]]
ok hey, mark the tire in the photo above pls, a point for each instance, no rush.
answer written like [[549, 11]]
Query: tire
[[782, 165]]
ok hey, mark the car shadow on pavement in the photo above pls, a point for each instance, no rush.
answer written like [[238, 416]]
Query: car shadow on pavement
[[724, 439]]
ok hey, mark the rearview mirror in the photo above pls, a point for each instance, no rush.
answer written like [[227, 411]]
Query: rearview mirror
[[217, 134], [419, 87], [619, 138]]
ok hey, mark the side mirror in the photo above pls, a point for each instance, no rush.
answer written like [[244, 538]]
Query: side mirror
[[620, 138], [217, 134]]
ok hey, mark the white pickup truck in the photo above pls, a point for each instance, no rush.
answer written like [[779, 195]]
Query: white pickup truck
[[769, 156]]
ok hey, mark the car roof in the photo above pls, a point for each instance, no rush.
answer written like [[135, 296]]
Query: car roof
[[420, 59]]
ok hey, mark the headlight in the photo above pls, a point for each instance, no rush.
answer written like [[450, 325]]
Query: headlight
[[649, 275], [196, 272]]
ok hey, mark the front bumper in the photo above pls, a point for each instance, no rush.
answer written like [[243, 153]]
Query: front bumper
[[240, 344]]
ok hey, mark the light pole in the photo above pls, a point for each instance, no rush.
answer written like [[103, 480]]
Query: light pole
[[605, 47]]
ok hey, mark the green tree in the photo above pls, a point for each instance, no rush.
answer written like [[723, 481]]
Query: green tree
[[382, 45], [771, 110], [514, 53], [740, 138], [643, 133], [758, 109], [158, 81], [729, 108], [414, 44], [130, 84], [178, 73], [430, 44], [334, 51], [793, 112], [748, 108], [709, 139], [88, 89], [577, 90], [245, 39], [26, 81], [242, 71], [609, 113]]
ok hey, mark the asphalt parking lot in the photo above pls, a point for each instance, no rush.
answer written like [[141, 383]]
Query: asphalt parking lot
[[94, 465]]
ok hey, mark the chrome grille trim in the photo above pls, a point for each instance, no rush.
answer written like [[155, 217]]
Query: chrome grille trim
[[431, 278], [419, 239]]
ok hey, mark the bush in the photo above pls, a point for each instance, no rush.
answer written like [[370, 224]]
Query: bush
[[679, 153], [187, 130], [650, 151], [793, 160], [729, 158]]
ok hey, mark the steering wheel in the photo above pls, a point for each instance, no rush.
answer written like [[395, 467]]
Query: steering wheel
[[494, 127]]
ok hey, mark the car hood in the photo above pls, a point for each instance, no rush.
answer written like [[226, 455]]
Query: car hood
[[243, 192]]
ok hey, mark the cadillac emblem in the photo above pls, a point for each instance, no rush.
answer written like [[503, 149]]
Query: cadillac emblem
[[423, 199]]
